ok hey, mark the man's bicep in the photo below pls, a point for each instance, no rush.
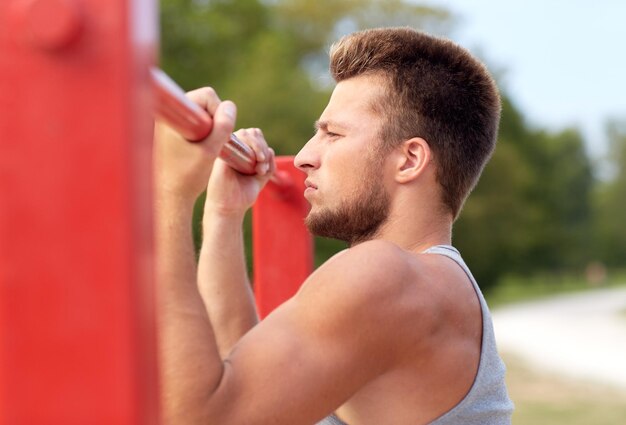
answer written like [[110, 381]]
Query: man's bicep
[[294, 367]]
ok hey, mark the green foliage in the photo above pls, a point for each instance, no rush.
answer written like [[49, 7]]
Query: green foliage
[[512, 289], [610, 202]]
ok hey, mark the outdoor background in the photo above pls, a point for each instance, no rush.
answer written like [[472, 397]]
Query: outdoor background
[[547, 214]]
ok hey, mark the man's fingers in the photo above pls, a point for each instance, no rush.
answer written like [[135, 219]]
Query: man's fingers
[[206, 98], [259, 145], [261, 149], [272, 161], [253, 137], [223, 125]]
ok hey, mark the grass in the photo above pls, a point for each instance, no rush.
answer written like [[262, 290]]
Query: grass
[[546, 399], [517, 289]]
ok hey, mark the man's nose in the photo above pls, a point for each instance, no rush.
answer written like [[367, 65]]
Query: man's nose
[[308, 157]]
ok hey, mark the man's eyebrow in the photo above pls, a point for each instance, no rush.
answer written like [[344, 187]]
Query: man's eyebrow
[[320, 125], [324, 124]]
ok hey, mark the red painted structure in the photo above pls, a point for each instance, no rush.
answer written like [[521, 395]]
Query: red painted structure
[[282, 246], [77, 340], [77, 329]]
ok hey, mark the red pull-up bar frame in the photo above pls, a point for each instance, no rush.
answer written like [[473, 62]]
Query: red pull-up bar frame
[[77, 328]]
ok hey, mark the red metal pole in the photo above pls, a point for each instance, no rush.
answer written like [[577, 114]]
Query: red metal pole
[[77, 329]]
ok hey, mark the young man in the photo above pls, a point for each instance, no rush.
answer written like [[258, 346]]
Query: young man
[[393, 330]]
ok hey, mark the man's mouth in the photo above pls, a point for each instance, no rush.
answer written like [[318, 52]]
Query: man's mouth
[[309, 188]]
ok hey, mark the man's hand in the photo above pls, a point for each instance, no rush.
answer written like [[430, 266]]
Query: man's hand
[[183, 168], [230, 193]]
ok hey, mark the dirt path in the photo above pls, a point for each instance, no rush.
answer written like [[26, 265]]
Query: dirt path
[[580, 335]]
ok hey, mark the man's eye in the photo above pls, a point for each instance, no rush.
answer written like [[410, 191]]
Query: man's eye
[[331, 134]]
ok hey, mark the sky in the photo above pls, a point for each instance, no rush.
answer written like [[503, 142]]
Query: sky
[[563, 62]]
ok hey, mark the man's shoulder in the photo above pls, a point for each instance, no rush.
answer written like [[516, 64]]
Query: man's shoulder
[[373, 285], [376, 275], [377, 262]]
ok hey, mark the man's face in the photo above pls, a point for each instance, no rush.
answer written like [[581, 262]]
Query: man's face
[[344, 169]]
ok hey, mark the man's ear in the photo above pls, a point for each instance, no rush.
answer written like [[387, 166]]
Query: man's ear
[[413, 157]]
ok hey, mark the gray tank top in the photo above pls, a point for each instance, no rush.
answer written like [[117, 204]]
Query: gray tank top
[[487, 402]]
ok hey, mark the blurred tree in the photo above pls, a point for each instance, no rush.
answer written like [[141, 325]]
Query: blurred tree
[[563, 187], [610, 202]]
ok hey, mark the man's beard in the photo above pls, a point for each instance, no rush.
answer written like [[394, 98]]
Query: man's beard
[[357, 219]]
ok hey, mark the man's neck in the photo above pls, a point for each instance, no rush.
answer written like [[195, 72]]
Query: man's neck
[[416, 232]]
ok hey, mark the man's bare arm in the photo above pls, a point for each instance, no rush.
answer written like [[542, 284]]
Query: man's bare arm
[[182, 318], [222, 275], [318, 349], [223, 282], [190, 371]]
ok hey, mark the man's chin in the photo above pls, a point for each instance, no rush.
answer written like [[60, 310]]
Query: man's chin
[[317, 222], [352, 221], [325, 224]]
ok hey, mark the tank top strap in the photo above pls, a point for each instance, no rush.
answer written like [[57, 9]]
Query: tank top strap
[[447, 250], [331, 420], [454, 254]]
